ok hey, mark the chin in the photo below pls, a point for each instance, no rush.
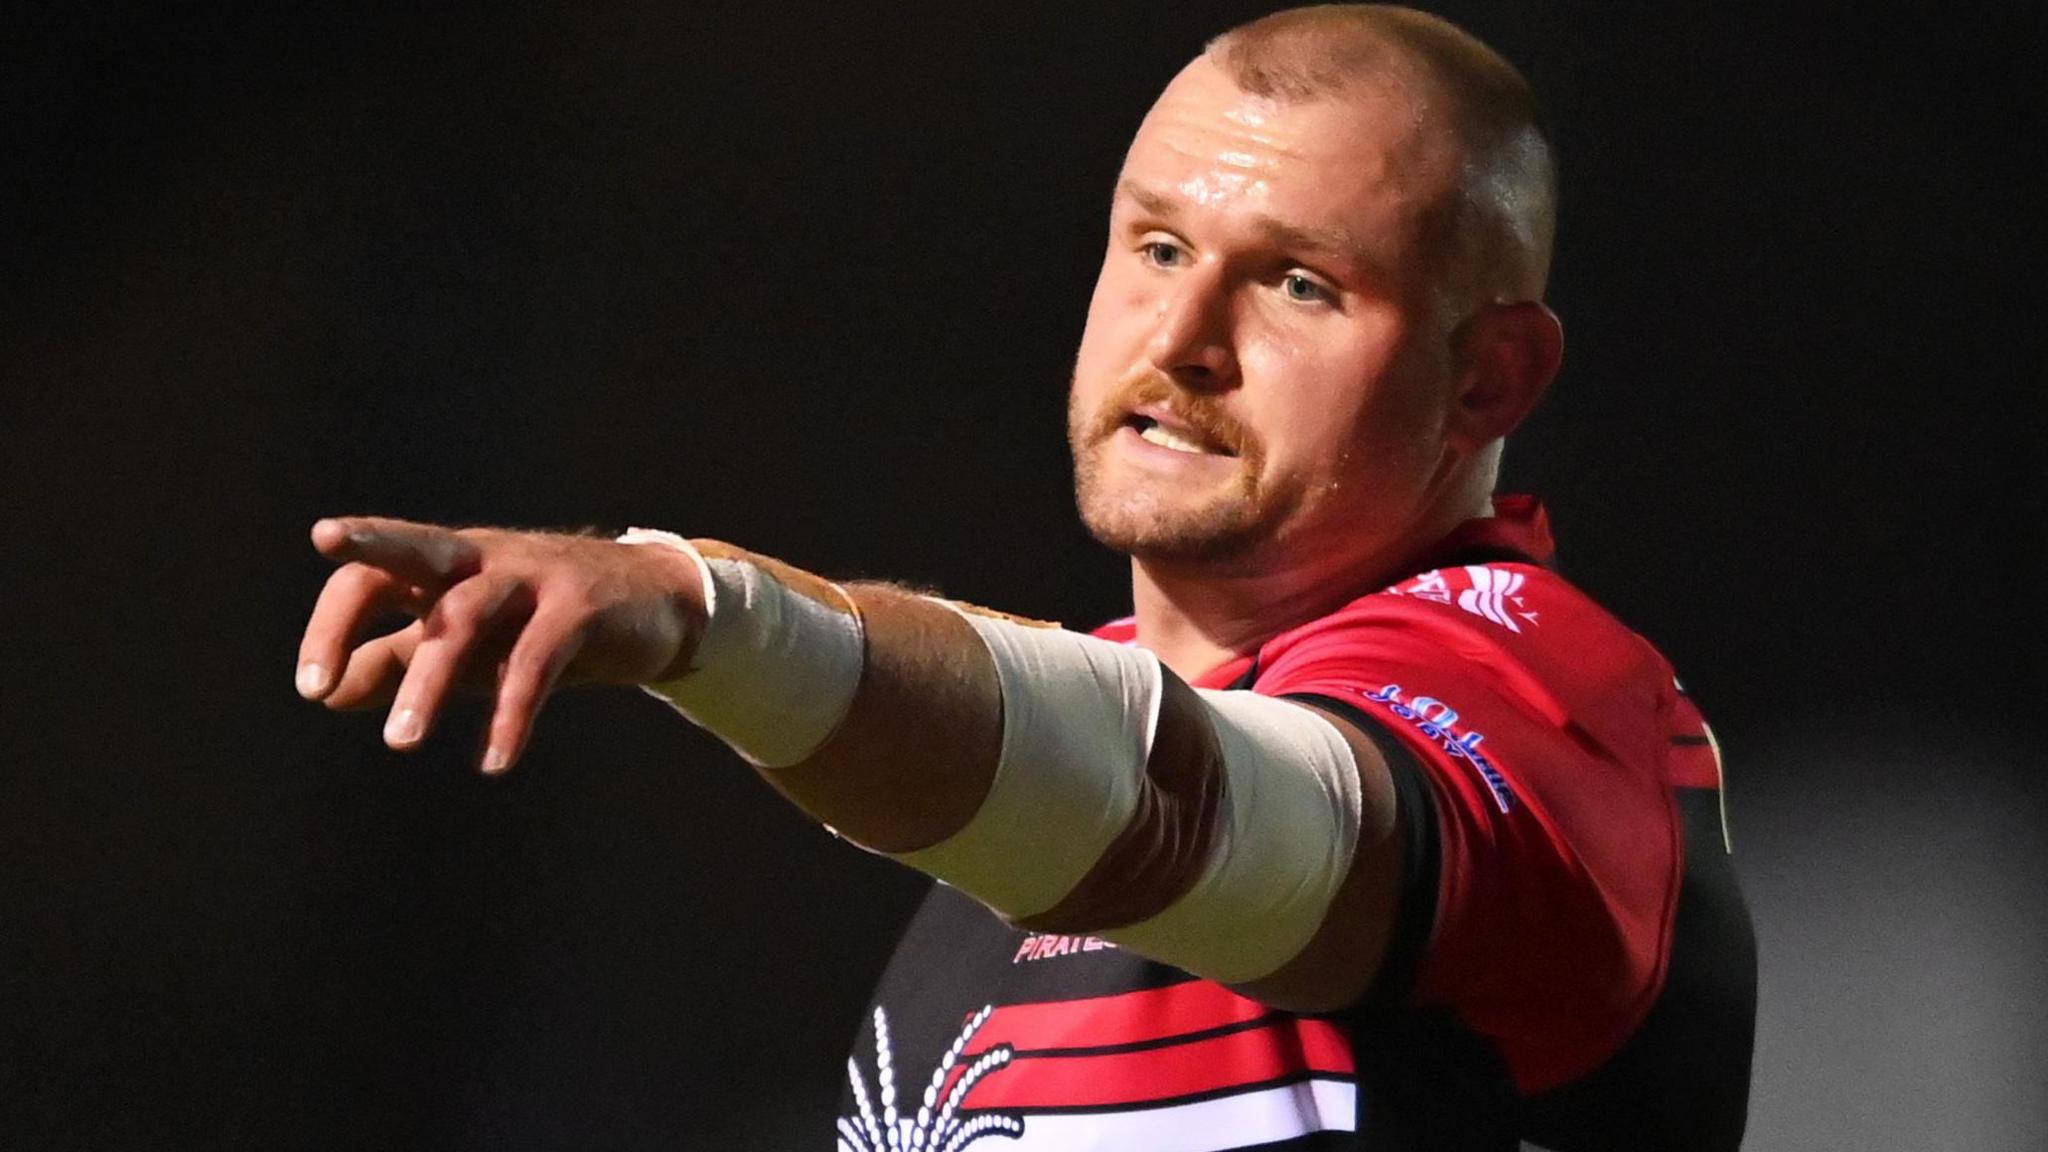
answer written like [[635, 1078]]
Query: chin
[[1140, 526]]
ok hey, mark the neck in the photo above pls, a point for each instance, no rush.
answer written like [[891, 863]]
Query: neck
[[1197, 615]]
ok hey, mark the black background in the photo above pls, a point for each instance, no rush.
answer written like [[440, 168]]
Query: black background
[[810, 278]]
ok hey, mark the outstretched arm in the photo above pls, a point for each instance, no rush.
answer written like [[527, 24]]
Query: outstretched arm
[[517, 614], [1239, 837]]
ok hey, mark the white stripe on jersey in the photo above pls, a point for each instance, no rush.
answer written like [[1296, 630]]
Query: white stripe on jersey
[[1240, 1121]]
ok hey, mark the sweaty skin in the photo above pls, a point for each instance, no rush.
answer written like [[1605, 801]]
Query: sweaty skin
[[1273, 403], [1271, 264]]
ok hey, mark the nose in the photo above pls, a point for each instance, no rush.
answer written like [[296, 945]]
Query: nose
[[1192, 340]]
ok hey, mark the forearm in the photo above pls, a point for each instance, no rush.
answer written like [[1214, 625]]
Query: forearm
[[874, 709], [1007, 756], [1069, 783], [913, 757]]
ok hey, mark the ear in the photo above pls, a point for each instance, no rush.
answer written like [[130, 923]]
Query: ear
[[1503, 359]]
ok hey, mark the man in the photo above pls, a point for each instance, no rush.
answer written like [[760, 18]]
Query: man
[[1365, 831]]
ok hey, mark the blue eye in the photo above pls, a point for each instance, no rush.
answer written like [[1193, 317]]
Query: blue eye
[[1304, 290], [1162, 253]]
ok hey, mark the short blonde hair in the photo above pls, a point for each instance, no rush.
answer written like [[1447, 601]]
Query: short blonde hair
[[1502, 229]]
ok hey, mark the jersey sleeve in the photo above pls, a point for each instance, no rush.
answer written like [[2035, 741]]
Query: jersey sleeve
[[1537, 741]]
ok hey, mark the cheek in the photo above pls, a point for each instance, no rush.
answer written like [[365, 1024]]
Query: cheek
[[1342, 410], [1306, 447], [1098, 364]]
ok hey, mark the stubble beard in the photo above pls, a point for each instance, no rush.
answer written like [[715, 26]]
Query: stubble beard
[[1153, 521]]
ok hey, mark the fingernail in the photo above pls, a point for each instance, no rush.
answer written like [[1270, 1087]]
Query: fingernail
[[495, 761], [403, 727], [312, 680]]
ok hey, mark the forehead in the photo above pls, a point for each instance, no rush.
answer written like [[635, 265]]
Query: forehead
[[1364, 161]]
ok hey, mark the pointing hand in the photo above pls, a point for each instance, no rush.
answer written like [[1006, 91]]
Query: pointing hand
[[512, 614]]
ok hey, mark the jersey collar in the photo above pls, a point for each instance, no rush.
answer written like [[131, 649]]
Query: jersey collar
[[1518, 532]]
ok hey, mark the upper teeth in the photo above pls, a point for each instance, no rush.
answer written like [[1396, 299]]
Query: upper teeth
[[1166, 437]]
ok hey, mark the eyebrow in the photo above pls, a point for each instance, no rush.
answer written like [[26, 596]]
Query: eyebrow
[[1332, 241]]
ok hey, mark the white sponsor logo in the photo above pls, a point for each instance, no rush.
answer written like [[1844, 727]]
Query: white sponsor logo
[[1495, 594], [937, 1126], [1430, 585], [1490, 593]]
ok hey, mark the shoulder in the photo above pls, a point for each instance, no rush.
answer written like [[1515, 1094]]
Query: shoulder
[[1521, 626], [1122, 630], [1539, 728]]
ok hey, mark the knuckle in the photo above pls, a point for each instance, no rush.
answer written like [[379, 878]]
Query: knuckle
[[518, 695], [571, 629], [451, 624], [521, 695], [569, 596]]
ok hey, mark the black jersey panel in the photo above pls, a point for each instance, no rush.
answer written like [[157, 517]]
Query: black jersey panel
[[1415, 912], [1681, 1082]]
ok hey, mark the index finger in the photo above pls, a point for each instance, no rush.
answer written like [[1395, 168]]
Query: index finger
[[425, 554]]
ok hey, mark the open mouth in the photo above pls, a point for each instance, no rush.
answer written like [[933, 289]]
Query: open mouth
[[1178, 438]]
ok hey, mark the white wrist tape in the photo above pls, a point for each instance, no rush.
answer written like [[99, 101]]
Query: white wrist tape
[[1079, 717], [775, 671]]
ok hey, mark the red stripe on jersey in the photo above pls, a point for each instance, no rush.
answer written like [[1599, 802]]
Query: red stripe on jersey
[[1127, 1018], [1259, 1055]]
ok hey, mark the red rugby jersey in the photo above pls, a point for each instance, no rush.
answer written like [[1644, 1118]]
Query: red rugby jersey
[[1572, 965]]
